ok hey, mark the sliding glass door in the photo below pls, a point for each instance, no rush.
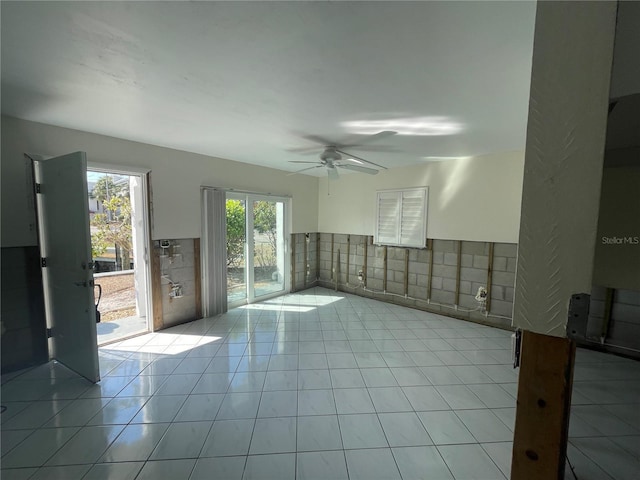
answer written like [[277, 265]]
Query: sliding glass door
[[255, 247]]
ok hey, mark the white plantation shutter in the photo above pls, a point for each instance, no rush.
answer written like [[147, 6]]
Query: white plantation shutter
[[401, 217]]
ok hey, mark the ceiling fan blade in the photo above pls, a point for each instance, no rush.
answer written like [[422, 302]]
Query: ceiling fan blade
[[357, 140], [357, 168], [333, 173], [304, 150], [303, 161], [304, 170], [350, 155], [319, 140]]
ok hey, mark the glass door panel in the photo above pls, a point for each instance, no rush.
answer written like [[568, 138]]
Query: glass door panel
[[268, 247], [236, 250]]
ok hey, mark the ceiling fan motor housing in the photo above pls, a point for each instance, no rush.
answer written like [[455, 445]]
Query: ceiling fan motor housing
[[330, 155]]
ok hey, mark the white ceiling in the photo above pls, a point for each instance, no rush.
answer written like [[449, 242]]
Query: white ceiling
[[244, 80]]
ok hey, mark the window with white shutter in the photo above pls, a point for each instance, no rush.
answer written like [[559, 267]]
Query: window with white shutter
[[401, 217]]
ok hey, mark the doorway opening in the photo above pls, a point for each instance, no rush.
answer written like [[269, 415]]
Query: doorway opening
[[119, 239], [256, 261]]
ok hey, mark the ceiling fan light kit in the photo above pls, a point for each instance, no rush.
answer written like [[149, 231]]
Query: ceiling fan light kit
[[333, 157]]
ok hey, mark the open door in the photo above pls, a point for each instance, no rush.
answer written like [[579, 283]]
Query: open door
[[65, 243]]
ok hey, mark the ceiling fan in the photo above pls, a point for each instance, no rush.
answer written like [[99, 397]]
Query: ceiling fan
[[333, 156]]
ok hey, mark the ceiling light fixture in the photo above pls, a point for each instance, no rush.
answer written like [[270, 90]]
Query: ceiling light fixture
[[418, 126]]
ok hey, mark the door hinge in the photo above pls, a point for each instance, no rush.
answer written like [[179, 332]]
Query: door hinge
[[38, 188], [49, 333], [43, 261]]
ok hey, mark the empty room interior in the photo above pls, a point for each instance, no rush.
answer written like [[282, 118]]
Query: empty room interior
[[320, 240]]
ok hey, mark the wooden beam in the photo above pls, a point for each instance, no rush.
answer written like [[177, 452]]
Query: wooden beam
[[487, 303], [156, 290], [348, 258], [317, 256], [306, 258], [293, 262], [406, 271], [332, 243], [430, 273], [458, 264], [198, 276], [542, 413], [364, 264], [384, 268]]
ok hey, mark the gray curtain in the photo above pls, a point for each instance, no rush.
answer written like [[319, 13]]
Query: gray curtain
[[214, 252]]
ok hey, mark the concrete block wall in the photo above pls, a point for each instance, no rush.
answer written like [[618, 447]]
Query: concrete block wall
[[179, 268], [624, 323], [304, 260], [411, 265]]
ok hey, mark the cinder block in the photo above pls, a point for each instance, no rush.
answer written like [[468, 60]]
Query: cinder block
[[445, 271], [497, 293], [505, 250], [467, 301], [508, 294], [417, 292], [442, 296], [466, 260], [481, 261], [505, 279], [475, 248], [449, 284], [446, 246], [397, 265], [500, 307], [499, 264], [395, 287], [451, 259], [423, 255], [473, 274]]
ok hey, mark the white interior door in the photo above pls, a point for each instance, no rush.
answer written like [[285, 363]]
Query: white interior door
[[65, 242]]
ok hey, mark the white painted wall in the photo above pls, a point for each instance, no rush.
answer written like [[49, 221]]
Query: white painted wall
[[472, 199], [176, 177]]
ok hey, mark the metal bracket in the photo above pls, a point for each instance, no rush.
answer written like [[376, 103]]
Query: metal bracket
[[578, 316]]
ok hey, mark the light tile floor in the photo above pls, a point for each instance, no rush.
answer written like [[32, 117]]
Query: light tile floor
[[313, 385]]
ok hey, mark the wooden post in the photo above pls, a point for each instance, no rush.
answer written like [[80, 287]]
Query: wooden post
[[384, 268], [458, 264], [332, 243], [364, 265], [156, 290], [348, 255], [430, 274], [293, 262], [198, 276], [487, 303], [306, 259], [542, 414], [406, 271], [317, 256]]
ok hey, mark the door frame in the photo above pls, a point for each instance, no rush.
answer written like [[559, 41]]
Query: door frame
[[143, 173], [251, 197], [205, 255]]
